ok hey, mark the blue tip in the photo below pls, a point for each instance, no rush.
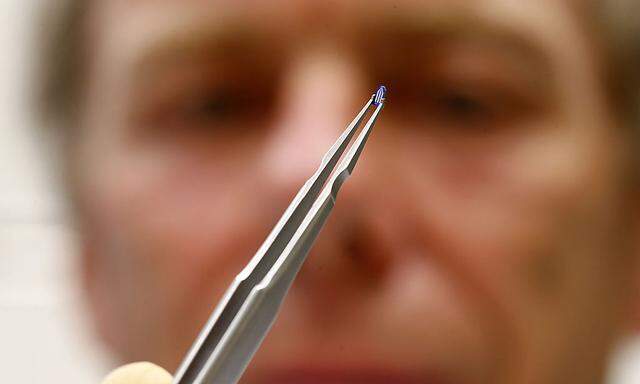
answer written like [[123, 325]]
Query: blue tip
[[380, 94]]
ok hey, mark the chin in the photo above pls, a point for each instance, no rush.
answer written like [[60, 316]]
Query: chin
[[345, 375]]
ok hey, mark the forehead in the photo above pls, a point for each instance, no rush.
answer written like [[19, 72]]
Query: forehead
[[132, 27]]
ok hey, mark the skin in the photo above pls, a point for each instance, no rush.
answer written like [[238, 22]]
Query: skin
[[138, 373], [485, 236]]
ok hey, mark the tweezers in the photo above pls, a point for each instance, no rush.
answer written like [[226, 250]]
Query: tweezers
[[244, 315]]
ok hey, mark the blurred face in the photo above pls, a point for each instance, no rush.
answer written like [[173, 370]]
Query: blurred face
[[484, 237]]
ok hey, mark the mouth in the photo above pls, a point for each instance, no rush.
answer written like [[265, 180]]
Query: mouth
[[348, 376]]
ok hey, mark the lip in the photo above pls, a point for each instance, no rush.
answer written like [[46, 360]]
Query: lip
[[347, 376]]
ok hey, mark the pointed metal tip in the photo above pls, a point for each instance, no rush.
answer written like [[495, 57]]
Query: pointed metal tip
[[380, 95]]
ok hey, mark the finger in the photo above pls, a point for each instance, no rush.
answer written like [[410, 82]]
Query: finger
[[138, 373]]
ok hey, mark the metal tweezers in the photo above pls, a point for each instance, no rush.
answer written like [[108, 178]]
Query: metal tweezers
[[244, 315]]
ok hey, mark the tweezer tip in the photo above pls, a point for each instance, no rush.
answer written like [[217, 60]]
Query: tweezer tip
[[378, 98]]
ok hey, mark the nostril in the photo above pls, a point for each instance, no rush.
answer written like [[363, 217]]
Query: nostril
[[368, 253]]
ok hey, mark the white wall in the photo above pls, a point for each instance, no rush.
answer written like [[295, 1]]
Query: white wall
[[43, 332]]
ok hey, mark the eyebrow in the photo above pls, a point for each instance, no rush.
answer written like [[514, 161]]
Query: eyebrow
[[460, 26], [233, 39], [206, 47], [230, 40], [412, 37]]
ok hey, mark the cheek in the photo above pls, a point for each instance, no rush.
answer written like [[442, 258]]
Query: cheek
[[495, 194], [515, 223], [184, 217], [501, 204]]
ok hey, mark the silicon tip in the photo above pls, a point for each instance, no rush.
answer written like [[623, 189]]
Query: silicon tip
[[380, 94]]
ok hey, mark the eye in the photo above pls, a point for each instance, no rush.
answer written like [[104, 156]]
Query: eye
[[215, 106], [463, 107], [469, 106], [208, 109]]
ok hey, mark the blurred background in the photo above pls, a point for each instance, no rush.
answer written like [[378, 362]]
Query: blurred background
[[44, 335]]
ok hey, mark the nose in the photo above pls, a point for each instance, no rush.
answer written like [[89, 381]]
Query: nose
[[316, 104], [321, 94]]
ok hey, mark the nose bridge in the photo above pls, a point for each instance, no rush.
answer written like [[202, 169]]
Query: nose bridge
[[316, 105]]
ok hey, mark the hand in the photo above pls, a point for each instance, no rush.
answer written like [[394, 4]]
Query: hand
[[138, 373]]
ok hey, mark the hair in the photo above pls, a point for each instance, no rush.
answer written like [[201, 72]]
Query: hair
[[618, 34], [612, 23], [63, 53]]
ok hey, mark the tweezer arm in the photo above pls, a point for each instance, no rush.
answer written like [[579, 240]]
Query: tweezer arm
[[257, 314], [230, 304]]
